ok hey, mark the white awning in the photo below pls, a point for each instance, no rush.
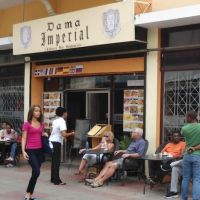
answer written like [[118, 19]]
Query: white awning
[[170, 18], [6, 43]]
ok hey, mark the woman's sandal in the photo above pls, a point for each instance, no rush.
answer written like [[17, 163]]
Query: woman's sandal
[[62, 183], [96, 184]]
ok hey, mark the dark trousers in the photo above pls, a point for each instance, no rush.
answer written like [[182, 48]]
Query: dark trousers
[[35, 160], [55, 164]]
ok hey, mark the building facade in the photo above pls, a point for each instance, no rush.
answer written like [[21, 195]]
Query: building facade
[[150, 82]]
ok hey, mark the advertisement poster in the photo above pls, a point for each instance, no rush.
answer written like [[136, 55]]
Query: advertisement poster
[[133, 109], [51, 100]]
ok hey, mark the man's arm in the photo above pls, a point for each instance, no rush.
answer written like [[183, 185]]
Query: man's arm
[[192, 149], [119, 152], [133, 155], [65, 134]]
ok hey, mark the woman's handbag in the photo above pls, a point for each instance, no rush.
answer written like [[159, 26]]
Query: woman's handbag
[[46, 147]]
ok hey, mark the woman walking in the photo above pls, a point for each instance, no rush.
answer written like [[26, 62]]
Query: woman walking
[[32, 146], [59, 132]]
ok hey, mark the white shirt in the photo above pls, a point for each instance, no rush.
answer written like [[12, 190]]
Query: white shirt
[[58, 125], [8, 136]]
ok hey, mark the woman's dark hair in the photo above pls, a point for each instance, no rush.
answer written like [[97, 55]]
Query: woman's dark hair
[[30, 114], [60, 111], [9, 124]]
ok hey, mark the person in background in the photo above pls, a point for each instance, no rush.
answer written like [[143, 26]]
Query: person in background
[[59, 132], [191, 158], [91, 159], [135, 150], [3, 125], [175, 150], [32, 146], [10, 134], [177, 172]]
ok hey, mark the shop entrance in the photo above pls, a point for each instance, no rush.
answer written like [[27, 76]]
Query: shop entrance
[[94, 105], [98, 107]]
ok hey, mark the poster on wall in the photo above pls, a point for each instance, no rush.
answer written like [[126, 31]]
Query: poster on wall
[[133, 109], [51, 100]]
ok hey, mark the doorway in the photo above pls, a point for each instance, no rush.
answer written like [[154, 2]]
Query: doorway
[[93, 105], [98, 106], [75, 103]]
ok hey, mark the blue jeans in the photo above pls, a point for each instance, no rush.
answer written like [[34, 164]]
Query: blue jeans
[[191, 171], [35, 161], [13, 150]]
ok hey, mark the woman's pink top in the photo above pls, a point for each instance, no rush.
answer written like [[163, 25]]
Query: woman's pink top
[[34, 140]]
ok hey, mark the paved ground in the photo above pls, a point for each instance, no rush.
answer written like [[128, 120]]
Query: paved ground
[[13, 182]]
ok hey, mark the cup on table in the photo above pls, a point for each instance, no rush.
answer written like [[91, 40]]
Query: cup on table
[[160, 155]]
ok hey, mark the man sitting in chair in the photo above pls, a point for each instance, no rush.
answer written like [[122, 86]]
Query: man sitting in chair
[[10, 134], [135, 150], [174, 150]]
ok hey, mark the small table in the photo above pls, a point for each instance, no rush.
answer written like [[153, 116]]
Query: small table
[[3, 144], [154, 158]]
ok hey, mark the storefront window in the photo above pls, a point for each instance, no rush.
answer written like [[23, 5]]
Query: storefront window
[[12, 96], [181, 94], [53, 84], [97, 97], [127, 82], [87, 82]]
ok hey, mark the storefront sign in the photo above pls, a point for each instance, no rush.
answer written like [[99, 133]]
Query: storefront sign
[[133, 109], [112, 23], [58, 71]]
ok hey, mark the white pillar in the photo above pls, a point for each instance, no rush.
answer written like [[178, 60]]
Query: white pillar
[[152, 86], [27, 83]]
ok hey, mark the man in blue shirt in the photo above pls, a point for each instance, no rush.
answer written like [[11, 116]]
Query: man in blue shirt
[[135, 150]]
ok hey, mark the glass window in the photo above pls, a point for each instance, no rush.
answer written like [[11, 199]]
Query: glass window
[[181, 36], [12, 96], [123, 81], [181, 94], [53, 84], [87, 82]]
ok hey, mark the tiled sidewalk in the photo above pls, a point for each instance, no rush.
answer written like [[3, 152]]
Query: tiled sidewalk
[[13, 182]]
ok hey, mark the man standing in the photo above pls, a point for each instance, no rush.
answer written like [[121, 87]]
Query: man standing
[[59, 132], [191, 159]]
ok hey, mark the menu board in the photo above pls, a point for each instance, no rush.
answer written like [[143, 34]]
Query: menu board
[[51, 100], [133, 109]]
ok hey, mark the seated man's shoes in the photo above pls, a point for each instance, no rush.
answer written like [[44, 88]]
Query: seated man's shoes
[[96, 184], [89, 181], [170, 195], [166, 169]]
